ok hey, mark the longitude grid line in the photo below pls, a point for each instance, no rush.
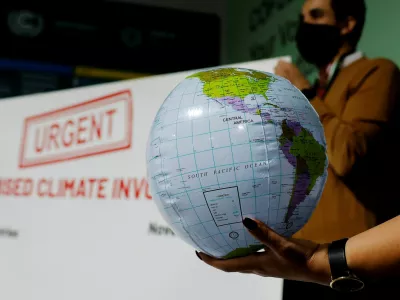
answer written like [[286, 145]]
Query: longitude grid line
[[180, 171], [298, 120], [280, 165], [216, 175], [175, 207], [202, 188], [280, 168], [166, 191], [280, 183], [219, 187], [218, 184], [266, 153], [251, 157], [233, 161]]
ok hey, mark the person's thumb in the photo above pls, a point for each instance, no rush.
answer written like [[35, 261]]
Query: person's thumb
[[281, 246], [265, 235]]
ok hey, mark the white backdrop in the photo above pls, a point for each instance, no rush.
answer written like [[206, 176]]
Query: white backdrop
[[76, 218]]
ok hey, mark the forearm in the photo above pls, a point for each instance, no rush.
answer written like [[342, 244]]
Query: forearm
[[371, 255], [376, 252]]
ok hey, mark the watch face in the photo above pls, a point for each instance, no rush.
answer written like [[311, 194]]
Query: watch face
[[347, 284]]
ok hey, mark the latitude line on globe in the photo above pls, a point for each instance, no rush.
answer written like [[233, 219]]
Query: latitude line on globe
[[203, 205], [200, 118], [213, 185]]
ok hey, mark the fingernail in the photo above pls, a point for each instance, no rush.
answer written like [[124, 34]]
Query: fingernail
[[197, 253], [250, 224]]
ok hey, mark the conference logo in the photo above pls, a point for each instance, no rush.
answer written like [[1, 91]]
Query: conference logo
[[25, 23], [94, 127]]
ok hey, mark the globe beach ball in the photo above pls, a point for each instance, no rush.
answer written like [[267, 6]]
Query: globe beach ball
[[231, 143]]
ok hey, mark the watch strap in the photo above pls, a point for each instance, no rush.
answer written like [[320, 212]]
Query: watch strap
[[337, 258]]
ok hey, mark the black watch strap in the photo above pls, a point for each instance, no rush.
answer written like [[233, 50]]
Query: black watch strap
[[337, 258], [342, 278]]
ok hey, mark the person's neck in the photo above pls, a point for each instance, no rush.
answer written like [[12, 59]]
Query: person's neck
[[343, 50]]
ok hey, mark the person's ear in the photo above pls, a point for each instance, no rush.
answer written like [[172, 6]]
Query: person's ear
[[348, 26]]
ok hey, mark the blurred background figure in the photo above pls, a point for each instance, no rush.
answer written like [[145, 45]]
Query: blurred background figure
[[356, 98]]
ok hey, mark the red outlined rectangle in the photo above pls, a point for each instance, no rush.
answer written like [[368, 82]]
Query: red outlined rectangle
[[123, 106]]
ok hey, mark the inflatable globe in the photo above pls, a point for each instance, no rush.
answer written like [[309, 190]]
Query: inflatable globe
[[231, 143]]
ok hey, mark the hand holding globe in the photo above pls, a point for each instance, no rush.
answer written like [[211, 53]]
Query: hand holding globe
[[283, 258], [229, 144]]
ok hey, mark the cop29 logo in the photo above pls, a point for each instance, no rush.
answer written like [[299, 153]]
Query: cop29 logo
[[25, 23]]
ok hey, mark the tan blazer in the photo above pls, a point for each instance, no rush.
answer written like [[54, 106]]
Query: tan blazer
[[359, 115]]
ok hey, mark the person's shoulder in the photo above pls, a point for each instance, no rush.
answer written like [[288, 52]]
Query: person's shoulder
[[369, 71], [379, 64], [373, 68]]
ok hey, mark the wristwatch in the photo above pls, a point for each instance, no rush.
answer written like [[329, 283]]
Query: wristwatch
[[342, 279]]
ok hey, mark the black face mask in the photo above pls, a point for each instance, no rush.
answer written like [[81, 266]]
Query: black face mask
[[318, 44]]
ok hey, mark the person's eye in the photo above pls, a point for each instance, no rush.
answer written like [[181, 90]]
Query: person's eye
[[317, 13]]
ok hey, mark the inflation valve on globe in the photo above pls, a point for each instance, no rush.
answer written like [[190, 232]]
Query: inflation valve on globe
[[230, 143]]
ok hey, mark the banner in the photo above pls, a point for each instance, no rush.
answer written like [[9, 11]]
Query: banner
[[77, 220]]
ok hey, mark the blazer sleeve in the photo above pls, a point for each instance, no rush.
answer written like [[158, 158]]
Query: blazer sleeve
[[366, 113]]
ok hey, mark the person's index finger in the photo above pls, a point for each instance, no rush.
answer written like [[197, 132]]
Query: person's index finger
[[239, 264]]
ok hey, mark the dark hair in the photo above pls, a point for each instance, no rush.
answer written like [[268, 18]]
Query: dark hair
[[351, 8]]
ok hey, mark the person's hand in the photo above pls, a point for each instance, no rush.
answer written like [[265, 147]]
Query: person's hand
[[285, 258], [292, 73]]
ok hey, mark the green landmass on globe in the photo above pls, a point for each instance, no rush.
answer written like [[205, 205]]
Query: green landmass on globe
[[231, 82], [308, 158]]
